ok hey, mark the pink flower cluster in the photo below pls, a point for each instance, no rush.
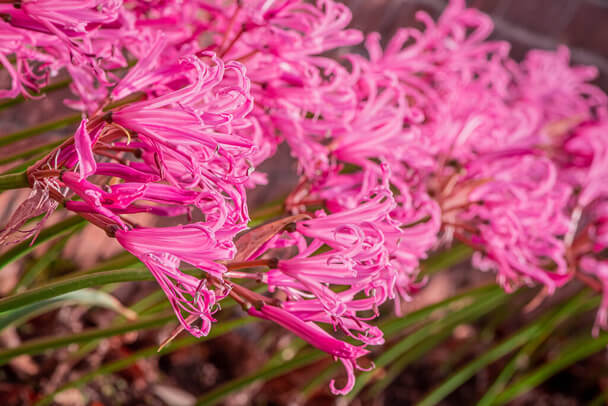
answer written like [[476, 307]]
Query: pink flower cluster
[[440, 136]]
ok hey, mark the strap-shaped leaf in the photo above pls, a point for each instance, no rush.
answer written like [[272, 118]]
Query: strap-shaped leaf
[[578, 349], [71, 284], [520, 338], [572, 307], [89, 297]]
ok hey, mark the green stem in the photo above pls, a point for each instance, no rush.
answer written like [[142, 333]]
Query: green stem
[[39, 129], [13, 181]]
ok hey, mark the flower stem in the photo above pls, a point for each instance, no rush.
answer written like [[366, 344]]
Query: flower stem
[[13, 181]]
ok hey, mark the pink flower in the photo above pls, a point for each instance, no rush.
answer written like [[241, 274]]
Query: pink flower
[[163, 249], [317, 337], [83, 145], [521, 216], [71, 14]]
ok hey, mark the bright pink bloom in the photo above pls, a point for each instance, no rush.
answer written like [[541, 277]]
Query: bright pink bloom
[[82, 144], [163, 249], [317, 337]]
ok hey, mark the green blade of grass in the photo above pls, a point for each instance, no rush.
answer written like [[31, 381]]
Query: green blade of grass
[[573, 306], [71, 284], [88, 297], [515, 341], [26, 164], [454, 255], [52, 87], [398, 324], [45, 148], [404, 360], [462, 375], [578, 349], [122, 260], [395, 325], [483, 305]]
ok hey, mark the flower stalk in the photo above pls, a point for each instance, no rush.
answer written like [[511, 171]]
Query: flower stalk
[[14, 181]]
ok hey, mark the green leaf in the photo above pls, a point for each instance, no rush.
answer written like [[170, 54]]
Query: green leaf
[[71, 284], [263, 374], [572, 307], [516, 340], [89, 297], [578, 349], [473, 311], [56, 230]]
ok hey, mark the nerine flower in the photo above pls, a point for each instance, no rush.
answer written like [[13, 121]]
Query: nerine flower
[[317, 337], [163, 249]]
